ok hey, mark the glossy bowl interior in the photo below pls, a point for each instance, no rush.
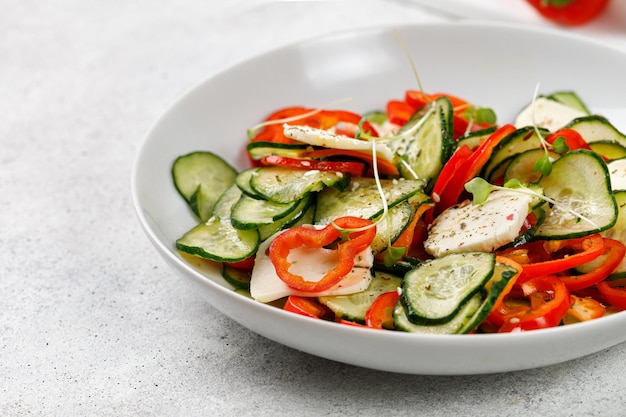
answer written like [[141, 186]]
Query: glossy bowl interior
[[492, 65]]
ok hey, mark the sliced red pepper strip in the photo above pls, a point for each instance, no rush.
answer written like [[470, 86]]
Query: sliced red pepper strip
[[380, 313], [573, 139], [587, 249], [306, 306], [323, 119], [450, 195], [614, 252], [614, 291], [349, 167], [399, 112], [457, 159], [384, 166], [305, 236], [549, 300]]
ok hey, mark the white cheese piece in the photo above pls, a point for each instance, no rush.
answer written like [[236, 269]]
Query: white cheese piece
[[479, 227], [549, 114], [312, 264], [617, 172], [326, 139]]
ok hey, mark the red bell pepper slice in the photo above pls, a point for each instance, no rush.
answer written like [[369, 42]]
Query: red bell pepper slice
[[450, 195], [306, 306], [380, 313], [322, 119], [385, 167], [614, 292], [354, 168], [548, 299], [614, 252], [399, 112], [306, 236], [446, 174], [573, 139], [579, 251]]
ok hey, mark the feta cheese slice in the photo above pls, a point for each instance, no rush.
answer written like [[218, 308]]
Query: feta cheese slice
[[311, 263], [617, 173], [479, 227], [326, 139], [549, 114]]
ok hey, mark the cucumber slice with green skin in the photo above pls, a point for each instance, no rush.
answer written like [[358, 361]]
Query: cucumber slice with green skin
[[302, 214], [521, 166], [388, 230], [435, 291], [596, 128], [570, 99], [217, 239], [201, 178], [238, 278], [361, 198], [250, 213], [353, 307], [285, 185], [474, 139], [424, 152], [618, 231], [580, 182], [257, 150], [608, 149], [521, 140], [501, 276], [243, 182], [464, 314]]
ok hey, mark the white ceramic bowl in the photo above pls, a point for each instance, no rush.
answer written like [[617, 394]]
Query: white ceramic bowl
[[492, 65]]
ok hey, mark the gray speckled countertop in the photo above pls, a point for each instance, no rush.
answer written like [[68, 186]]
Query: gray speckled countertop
[[92, 321]]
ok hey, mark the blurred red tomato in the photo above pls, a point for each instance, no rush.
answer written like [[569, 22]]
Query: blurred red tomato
[[569, 12]]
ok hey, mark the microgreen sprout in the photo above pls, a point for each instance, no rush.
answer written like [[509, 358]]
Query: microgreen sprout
[[480, 190], [477, 115], [253, 130], [543, 164]]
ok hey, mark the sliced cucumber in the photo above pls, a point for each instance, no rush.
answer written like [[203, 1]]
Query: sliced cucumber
[[424, 151], [217, 239], [388, 230], [250, 213], [257, 150], [570, 99], [361, 198], [238, 278], [285, 185], [522, 166], [302, 214], [243, 182], [517, 142], [435, 290], [579, 182], [201, 178], [618, 231], [474, 139], [596, 128], [502, 274], [354, 307], [608, 149], [459, 321]]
